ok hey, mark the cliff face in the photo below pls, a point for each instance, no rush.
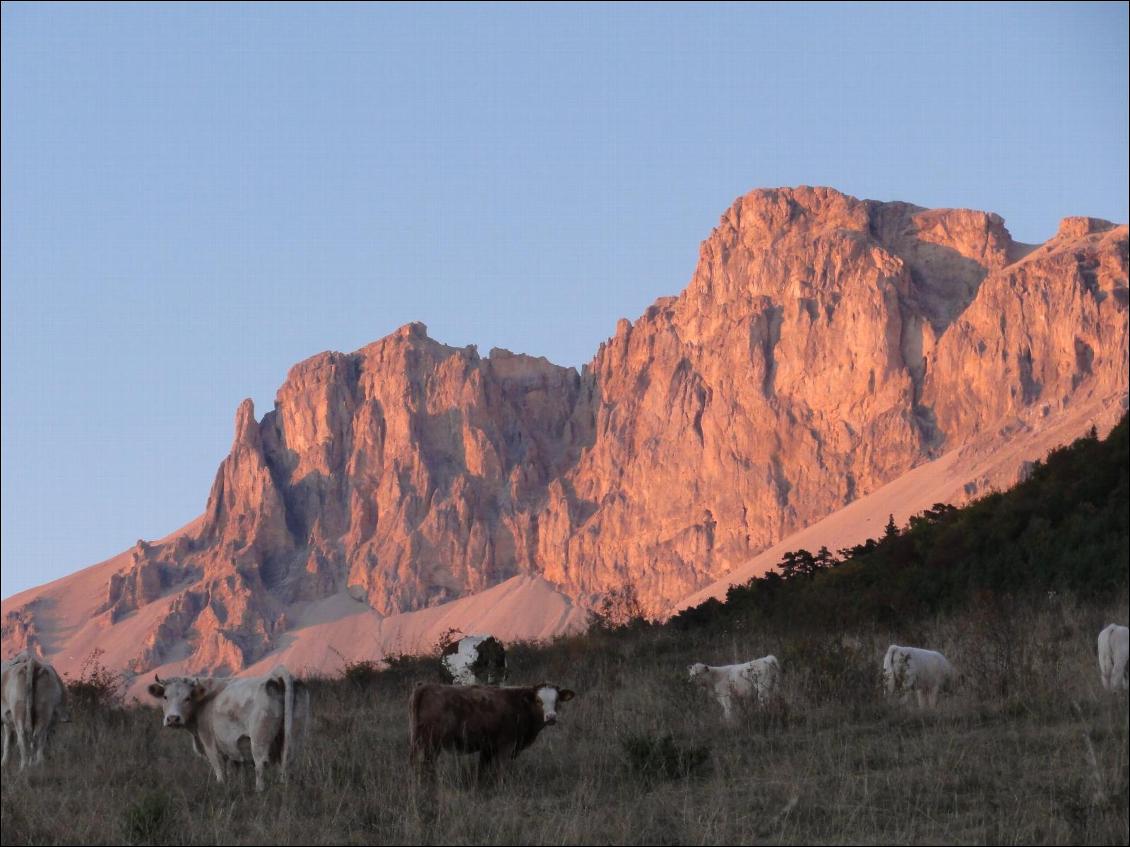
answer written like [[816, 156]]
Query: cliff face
[[824, 347]]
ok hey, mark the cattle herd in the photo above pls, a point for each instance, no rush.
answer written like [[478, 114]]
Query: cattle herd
[[263, 719]]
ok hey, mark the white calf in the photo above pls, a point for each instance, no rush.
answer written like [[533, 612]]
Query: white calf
[[755, 680], [925, 672]]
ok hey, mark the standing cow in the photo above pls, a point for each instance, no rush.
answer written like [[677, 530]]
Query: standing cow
[[32, 700], [493, 722], [925, 672], [475, 660], [1114, 651], [757, 679], [262, 719]]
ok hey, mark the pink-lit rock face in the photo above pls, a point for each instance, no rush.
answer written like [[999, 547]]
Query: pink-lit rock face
[[824, 347]]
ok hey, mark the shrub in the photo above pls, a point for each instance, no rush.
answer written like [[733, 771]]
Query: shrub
[[97, 687], [362, 673], [661, 757]]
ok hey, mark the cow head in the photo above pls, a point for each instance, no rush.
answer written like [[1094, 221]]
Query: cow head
[[695, 672], [179, 698], [546, 697]]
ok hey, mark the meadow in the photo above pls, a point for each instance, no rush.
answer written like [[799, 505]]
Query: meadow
[[1013, 588], [1029, 750]]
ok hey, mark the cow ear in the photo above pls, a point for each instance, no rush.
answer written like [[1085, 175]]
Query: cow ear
[[156, 691], [274, 686], [566, 694], [199, 692]]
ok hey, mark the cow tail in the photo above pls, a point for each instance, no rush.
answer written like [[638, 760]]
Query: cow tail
[[288, 716]]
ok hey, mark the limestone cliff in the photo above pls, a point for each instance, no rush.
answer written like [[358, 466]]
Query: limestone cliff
[[824, 347]]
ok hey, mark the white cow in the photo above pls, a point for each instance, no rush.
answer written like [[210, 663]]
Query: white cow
[[756, 679], [262, 719], [32, 700], [925, 672], [475, 660], [1114, 651]]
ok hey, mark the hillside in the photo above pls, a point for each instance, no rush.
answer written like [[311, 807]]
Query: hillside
[[1064, 532]]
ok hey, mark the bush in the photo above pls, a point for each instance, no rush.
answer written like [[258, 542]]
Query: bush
[[362, 673], [832, 671], [661, 757], [97, 687]]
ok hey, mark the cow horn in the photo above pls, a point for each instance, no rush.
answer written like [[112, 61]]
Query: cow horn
[[157, 677]]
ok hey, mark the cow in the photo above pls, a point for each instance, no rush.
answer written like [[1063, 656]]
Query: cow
[[262, 719], [475, 660], [757, 679], [33, 700], [493, 722], [1114, 651], [925, 672]]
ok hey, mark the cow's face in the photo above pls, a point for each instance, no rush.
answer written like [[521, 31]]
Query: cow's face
[[548, 696], [696, 671], [179, 698]]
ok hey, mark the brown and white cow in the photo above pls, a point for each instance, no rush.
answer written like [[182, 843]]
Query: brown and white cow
[[475, 660], [261, 719], [32, 700], [493, 722]]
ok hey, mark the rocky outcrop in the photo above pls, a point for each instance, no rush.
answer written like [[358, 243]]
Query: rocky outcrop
[[824, 346]]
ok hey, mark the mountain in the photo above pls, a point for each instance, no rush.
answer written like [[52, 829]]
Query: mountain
[[824, 348]]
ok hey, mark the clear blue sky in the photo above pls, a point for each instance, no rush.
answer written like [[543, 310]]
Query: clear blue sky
[[197, 197]]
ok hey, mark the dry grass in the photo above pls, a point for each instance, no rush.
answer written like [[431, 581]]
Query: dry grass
[[1030, 751]]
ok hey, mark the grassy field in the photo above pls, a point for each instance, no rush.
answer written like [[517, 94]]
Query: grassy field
[[1030, 750]]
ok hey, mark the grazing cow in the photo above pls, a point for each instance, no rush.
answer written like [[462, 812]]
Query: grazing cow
[[262, 719], [32, 700], [475, 660], [757, 679], [1114, 651], [925, 672], [493, 722]]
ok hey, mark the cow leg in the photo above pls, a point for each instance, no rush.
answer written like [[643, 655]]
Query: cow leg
[[9, 736], [727, 710], [261, 753], [218, 762], [22, 741], [489, 767], [39, 739], [1119, 673], [424, 761]]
